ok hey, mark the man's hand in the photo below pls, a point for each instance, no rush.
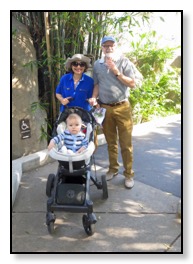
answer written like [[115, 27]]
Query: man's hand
[[92, 101], [111, 65]]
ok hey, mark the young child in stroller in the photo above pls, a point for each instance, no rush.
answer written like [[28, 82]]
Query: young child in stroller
[[75, 140], [69, 189]]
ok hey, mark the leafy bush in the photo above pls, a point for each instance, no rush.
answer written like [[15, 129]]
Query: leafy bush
[[160, 93]]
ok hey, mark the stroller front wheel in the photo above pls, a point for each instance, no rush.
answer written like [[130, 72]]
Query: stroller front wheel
[[51, 227], [88, 227], [104, 187]]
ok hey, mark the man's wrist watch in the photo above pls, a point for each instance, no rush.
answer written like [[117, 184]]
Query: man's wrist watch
[[118, 74]]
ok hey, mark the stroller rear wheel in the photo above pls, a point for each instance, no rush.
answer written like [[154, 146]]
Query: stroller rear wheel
[[50, 184], [104, 187], [88, 227]]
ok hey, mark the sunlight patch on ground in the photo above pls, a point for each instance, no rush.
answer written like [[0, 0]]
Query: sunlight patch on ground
[[163, 152]]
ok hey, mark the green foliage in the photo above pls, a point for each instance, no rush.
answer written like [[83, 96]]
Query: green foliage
[[35, 106], [44, 134], [32, 65], [38, 105], [14, 32], [160, 94]]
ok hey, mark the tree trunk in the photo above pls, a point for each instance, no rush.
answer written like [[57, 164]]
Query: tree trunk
[[47, 31]]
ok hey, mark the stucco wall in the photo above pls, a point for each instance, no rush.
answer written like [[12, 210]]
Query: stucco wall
[[24, 93]]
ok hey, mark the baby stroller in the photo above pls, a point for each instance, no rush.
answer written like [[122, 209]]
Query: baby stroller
[[69, 189]]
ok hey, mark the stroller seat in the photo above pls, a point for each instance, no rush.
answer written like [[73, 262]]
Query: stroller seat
[[71, 158]]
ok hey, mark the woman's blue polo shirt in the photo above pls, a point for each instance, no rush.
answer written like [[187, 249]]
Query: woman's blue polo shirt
[[83, 91]]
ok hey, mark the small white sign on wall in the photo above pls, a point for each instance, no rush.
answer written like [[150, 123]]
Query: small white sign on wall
[[25, 128]]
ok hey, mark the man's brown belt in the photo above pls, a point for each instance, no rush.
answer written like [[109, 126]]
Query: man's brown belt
[[115, 104]]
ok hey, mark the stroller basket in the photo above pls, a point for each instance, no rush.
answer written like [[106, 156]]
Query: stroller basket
[[71, 194]]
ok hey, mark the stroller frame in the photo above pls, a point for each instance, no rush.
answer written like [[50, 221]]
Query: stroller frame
[[73, 184]]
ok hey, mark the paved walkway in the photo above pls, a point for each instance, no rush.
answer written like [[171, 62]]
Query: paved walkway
[[143, 219]]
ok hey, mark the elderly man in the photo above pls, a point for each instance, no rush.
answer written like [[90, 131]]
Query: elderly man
[[113, 76]]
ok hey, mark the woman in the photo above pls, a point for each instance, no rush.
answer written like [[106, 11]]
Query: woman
[[75, 87]]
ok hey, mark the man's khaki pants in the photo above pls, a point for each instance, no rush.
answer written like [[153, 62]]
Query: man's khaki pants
[[118, 125]]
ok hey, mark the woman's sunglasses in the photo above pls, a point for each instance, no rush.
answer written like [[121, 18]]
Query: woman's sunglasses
[[81, 64]]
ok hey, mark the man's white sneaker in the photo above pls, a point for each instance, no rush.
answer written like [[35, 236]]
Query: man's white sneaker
[[129, 183], [110, 175]]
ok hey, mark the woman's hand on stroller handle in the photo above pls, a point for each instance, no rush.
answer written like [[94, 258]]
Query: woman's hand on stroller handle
[[70, 98], [66, 100]]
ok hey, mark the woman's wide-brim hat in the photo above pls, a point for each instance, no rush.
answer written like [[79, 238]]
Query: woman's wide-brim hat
[[77, 57]]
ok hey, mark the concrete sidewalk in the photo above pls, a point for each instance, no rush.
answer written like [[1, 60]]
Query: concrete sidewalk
[[141, 220]]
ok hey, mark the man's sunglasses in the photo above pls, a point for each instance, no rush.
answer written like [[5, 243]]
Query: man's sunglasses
[[81, 64], [108, 46]]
